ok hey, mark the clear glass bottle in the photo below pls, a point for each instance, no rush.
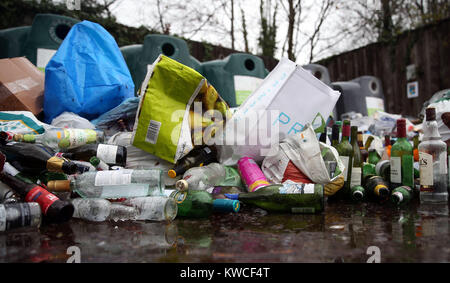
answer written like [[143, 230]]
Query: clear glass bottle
[[155, 208], [202, 178], [18, 215], [113, 184], [433, 162], [98, 210], [59, 138]]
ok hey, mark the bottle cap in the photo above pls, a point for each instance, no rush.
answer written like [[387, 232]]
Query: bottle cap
[[226, 205], [401, 128], [59, 186], [430, 114], [182, 185], [94, 160], [346, 128], [381, 190], [232, 196], [172, 173]]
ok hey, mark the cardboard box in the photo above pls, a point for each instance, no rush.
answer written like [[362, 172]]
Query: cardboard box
[[21, 86]]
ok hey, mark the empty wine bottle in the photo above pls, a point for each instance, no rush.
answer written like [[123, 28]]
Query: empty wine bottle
[[53, 209], [200, 204], [383, 169], [33, 160], [402, 158], [9, 169], [155, 208], [287, 197], [357, 193], [196, 158], [110, 154], [59, 138], [402, 195], [18, 215], [363, 150], [112, 184], [98, 210], [376, 187], [335, 135]]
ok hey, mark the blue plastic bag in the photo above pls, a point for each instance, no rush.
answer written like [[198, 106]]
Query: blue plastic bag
[[88, 74]]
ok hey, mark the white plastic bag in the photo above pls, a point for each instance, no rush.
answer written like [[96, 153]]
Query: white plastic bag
[[72, 120], [305, 152]]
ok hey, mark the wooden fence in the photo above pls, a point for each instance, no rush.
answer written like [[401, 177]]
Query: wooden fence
[[427, 48]]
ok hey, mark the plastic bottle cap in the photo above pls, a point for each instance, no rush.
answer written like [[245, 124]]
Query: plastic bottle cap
[[226, 205], [59, 186], [182, 185], [232, 196], [172, 173]]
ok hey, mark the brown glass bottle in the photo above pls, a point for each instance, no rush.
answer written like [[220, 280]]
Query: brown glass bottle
[[197, 157], [53, 209]]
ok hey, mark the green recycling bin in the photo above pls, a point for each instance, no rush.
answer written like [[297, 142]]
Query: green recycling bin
[[139, 56], [38, 42], [235, 77]]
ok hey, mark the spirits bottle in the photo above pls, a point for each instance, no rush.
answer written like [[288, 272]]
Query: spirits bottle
[[112, 184], [433, 162]]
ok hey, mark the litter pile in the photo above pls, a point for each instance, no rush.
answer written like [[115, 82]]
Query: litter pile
[[82, 143]]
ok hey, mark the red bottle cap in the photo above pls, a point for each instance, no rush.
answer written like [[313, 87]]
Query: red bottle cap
[[401, 128]]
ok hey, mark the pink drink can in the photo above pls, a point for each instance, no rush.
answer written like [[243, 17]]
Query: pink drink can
[[251, 174]]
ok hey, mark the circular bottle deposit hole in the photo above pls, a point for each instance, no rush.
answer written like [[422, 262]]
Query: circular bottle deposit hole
[[318, 74], [62, 30], [168, 49], [373, 86], [249, 64]]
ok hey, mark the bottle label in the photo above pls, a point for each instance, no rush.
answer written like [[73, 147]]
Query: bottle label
[[107, 153], [113, 177], [178, 196], [79, 137], [356, 177], [345, 160], [42, 196], [426, 169], [396, 170], [16, 215], [289, 187], [443, 162], [2, 218], [8, 168]]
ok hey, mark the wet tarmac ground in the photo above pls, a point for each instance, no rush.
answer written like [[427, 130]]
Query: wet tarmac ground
[[342, 233]]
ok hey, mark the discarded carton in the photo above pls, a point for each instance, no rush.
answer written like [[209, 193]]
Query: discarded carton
[[21, 86]]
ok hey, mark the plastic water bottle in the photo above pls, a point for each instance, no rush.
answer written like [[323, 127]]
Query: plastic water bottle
[[202, 178], [98, 210]]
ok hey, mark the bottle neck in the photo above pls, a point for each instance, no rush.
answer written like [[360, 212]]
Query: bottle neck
[[430, 131]]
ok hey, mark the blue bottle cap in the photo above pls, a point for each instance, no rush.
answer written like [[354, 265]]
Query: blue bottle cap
[[226, 205], [232, 196]]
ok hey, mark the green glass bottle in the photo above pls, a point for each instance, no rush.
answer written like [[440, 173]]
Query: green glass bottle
[[402, 195], [402, 158], [200, 204], [345, 150], [287, 197], [357, 193], [374, 157], [356, 176], [335, 135]]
